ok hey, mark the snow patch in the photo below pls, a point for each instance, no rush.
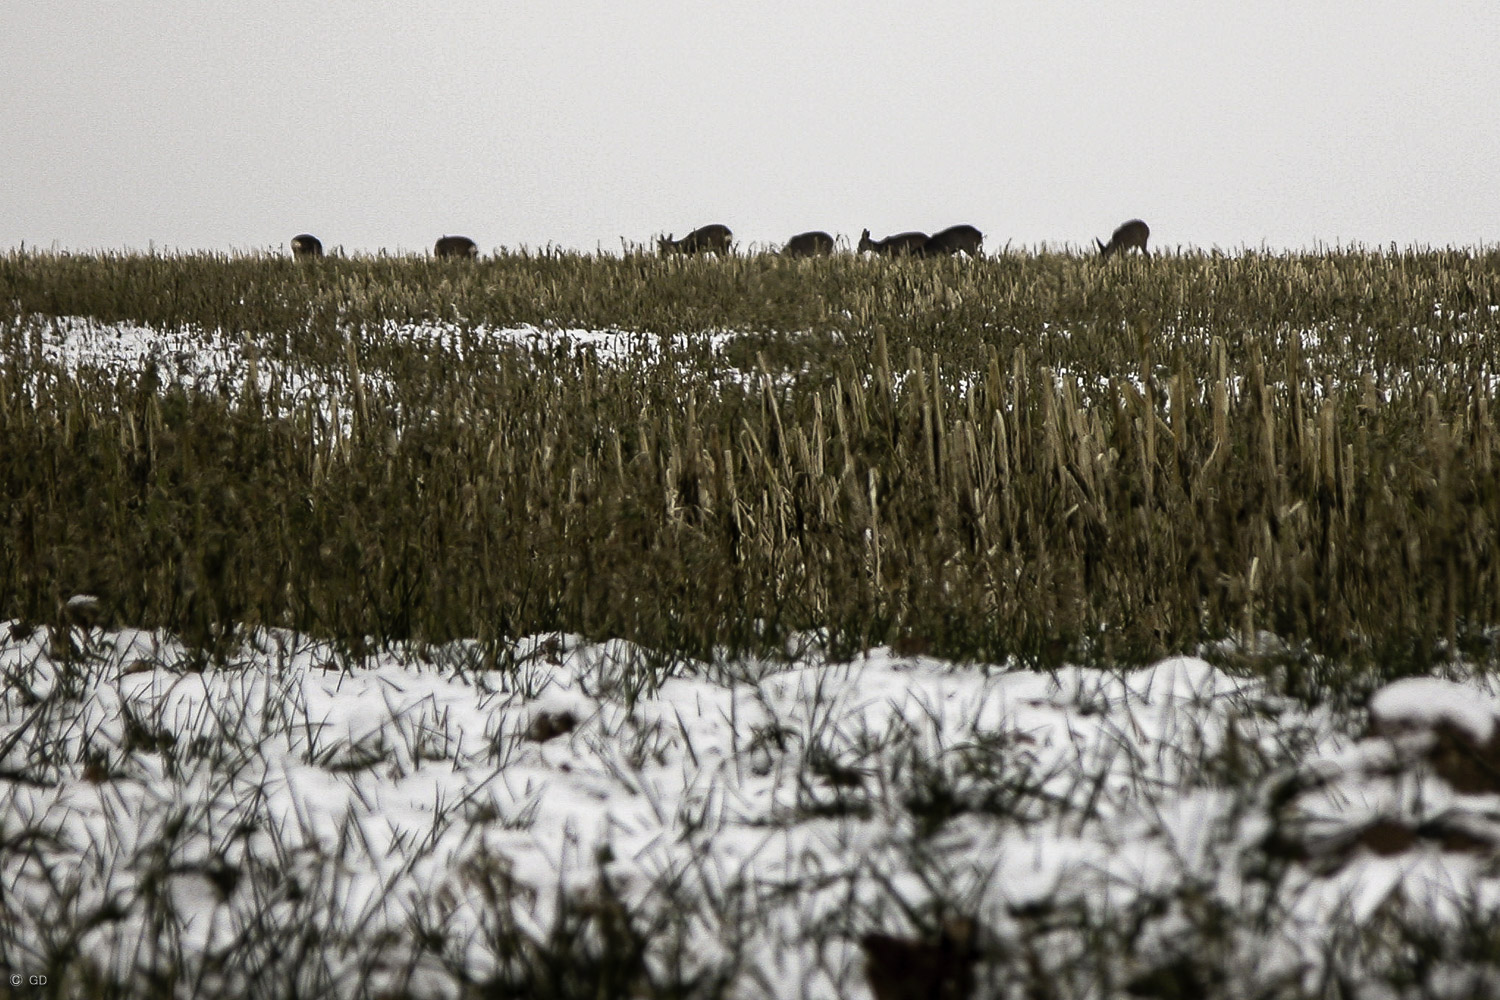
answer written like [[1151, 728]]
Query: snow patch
[[1424, 702]]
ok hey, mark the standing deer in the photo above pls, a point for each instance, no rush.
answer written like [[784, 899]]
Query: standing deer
[[900, 245], [713, 238], [814, 244], [306, 245], [952, 241], [1134, 233], [456, 246]]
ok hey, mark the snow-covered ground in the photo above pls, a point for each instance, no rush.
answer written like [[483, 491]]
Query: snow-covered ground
[[764, 816], [209, 359]]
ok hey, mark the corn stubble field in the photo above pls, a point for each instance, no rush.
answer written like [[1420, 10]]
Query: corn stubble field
[[608, 481]]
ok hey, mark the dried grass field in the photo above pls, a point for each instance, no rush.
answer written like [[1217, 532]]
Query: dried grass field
[[556, 625]]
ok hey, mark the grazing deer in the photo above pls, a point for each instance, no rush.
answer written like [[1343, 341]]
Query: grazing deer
[[815, 244], [954, 240], [306, 245], [900, 245], [456, 246], [713, 238], [1134, 233]]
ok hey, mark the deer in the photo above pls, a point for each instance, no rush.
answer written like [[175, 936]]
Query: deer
[[954, 240], [900, 245], [456, 246], [306, 245], [713, 238], [814, 244], [1134, 233]]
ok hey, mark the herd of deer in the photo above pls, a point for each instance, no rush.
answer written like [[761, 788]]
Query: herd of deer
[[715, 239]]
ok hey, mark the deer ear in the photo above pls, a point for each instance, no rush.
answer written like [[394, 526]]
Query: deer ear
[[1100, 242]]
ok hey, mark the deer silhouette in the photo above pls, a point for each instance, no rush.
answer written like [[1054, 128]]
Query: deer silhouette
[[1134, 233], [714, 238]]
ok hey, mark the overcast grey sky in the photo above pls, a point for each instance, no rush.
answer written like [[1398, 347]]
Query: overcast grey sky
[[231, 125]]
